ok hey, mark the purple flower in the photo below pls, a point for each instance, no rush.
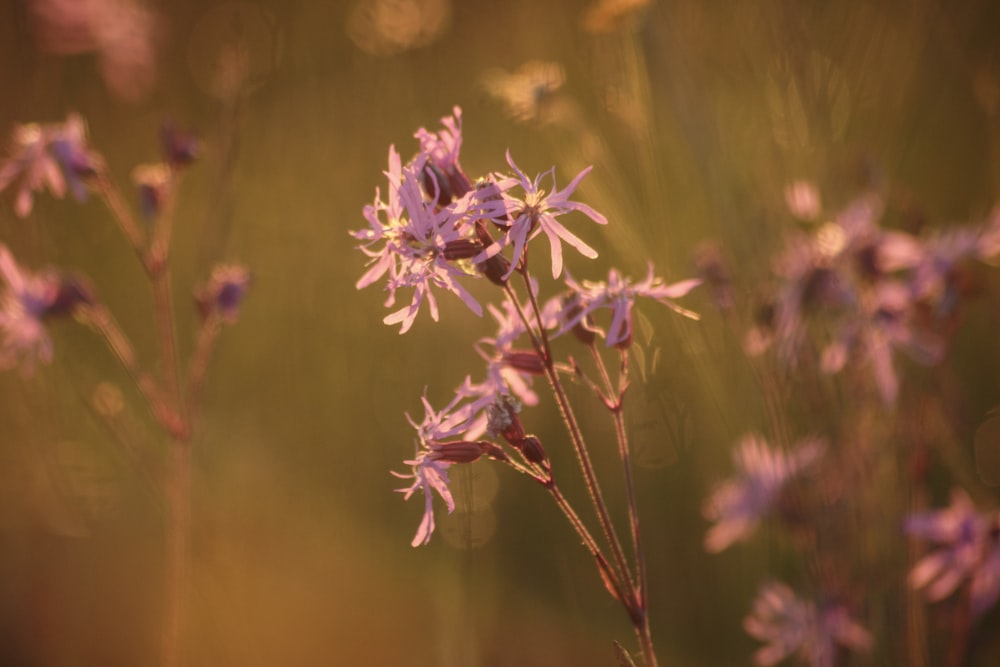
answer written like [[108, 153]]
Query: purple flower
[[537, 212], [618, 295], [428, 475], [24, 303], [792, 626], [407, 240], [223, 293], [738, 504], [429, 471], [969, 550], [123, 34], [47, 157], [447, 180]]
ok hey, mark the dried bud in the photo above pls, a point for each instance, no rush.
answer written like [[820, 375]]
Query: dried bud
[[502, 419]]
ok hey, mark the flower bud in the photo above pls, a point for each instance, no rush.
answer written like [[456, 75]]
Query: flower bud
[[461, 249], [224, 292], [459, 451], [436, 184], [526, 361], [583, 330], [532, 449], [153, 182], [497, 266]]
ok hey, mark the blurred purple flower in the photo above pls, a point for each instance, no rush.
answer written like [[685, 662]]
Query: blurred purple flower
[[618, 295], [429, 472], [792, 626], [536, 213], [739, 504], [25, 302], [48, 156], [969, 550], [123, 34], [224, 292]]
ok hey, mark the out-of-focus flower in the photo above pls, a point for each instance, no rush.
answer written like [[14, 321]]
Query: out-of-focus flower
[[968, 551], [429, 470], [536, 213], [48, 156], [388, 27], [605, 16], [24, 305], [528, 92], [618, 295], [223, 294], [792, 626], [179, 148], [123, 34], [153, 182], [802, 200], [739, 504], [714, 271]]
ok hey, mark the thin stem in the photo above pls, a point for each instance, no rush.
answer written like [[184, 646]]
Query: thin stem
[[208, 336], [98, 318], [178, 552], [113, 199], [612, 579], [576, 438], [621, 435]]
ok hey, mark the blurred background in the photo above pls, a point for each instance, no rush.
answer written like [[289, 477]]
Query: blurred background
[[695, 116]]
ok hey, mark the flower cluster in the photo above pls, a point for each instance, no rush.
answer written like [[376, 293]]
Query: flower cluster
[[53, 156], [739, 504], [434, 228], [430, 231], [28, 300], [790, 625], [968, 552], [876, 290]]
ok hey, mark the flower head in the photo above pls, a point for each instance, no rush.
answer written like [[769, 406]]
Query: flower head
[[26, 301], [738, 504], [443, 173], [968, 550], [409, 241], [537, 212], [429, 466], [618, 295], [792, 626], [48, 157], [223, 294]]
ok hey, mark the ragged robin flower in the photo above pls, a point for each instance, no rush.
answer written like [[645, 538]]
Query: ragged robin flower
[[536, 213]]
